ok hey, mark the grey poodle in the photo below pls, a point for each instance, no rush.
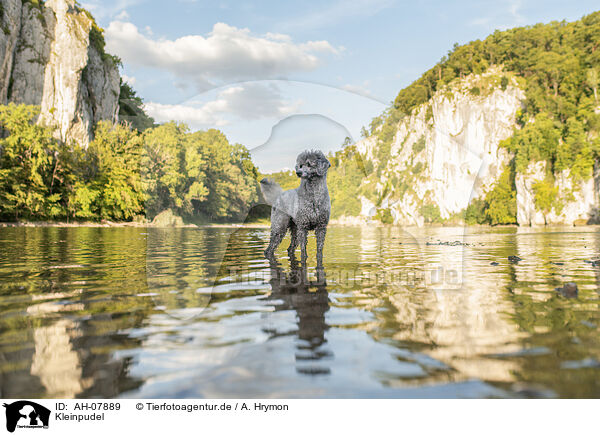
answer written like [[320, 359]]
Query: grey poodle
[[302, 209]]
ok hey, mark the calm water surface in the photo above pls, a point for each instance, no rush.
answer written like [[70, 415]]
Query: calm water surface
[[136, 312]]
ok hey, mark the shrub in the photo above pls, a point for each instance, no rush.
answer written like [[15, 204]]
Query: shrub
[[502, 201], [431, 213], [475, 212]]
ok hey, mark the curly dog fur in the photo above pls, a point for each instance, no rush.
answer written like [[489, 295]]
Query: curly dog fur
[[303, 209]]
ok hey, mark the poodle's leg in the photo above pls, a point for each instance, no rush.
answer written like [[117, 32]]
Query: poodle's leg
[[302, 235], [320, 233], [279, 224], [293, 240]]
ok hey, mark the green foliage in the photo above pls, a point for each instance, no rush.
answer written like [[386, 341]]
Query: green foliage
[[557, 66], [429, 113], [122, 174], [131, 108], [231, 177], [96, 36], [431, 213], [417, 168], [577, 151], [198, 173], [592, 81], [115, 187], [286, 179], [419, 145], [546, 195], [34, 3], [550, 57], [502, 200], [538, 140], [475, 212], [384, 215], [344, 179], [28, 161]]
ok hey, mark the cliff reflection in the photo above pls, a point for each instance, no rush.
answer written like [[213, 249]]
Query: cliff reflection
[[105, 312]]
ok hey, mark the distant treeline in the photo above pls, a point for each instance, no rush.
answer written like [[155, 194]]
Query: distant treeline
[[124, 174]]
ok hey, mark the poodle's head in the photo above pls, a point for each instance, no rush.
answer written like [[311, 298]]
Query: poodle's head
[[312, 164]]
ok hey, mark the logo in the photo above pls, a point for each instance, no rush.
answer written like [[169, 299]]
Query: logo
[[26, 414]]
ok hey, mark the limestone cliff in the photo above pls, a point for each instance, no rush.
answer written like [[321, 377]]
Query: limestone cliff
[[446, 153], [48, 57], [576, 200]]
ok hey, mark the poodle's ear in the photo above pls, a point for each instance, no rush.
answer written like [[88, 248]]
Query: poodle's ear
[[323, 166]]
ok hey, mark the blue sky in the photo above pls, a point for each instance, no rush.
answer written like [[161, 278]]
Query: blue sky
[[255, 69]]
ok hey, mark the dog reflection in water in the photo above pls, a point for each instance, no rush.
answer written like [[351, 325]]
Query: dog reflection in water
[[292, 290]]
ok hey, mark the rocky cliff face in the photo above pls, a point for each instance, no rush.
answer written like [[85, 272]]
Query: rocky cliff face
[[576, 201], [47, 58], [446, 153]]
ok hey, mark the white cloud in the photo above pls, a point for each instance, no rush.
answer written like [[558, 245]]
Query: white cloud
[[249, 101], [255, 101], [195, 117], [122, 16], [225, 54], [130, 80]]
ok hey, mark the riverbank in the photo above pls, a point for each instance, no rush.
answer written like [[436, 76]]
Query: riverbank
[[260, 224], [110, 224]]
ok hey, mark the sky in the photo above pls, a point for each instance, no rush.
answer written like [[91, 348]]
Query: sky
[[281, 77]]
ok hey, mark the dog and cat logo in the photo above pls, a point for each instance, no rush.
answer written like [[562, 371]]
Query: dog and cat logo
[[26, 414]]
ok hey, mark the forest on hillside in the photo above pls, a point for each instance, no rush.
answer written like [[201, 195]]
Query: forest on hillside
[[558, 67], [125, 174]]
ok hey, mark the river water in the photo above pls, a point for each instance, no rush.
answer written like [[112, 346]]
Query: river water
[[197, 312]]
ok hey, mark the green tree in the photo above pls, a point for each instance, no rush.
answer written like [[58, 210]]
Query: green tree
[[501, 201], [116, 187], [28, 158], [231, 177], [431, 213], [475, 212], [545, 196], [344, 179], [538, 140], [197, 174], [592, 81], [163, 169], [576, 153], [131, 108]]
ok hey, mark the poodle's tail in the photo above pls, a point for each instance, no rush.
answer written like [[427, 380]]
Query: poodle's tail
[[270, 190]]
